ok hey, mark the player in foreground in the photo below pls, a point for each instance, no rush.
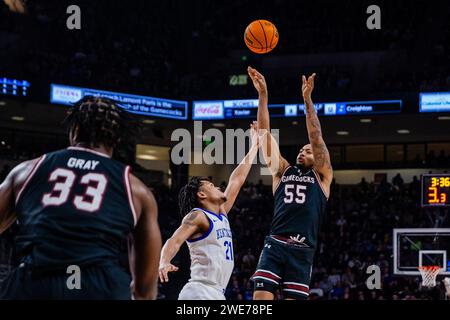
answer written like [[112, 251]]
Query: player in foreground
[[301, 192], [206, 230], [75, 207]]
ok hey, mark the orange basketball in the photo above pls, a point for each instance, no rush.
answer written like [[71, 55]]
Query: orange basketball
[[261, 36]]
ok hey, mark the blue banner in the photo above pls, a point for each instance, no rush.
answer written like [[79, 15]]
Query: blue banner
[[147, 106]]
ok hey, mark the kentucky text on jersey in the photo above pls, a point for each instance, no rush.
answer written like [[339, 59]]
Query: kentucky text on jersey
[[298, 179], [222, 233]]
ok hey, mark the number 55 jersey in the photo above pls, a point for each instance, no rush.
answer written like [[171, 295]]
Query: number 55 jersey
[[300, 204]]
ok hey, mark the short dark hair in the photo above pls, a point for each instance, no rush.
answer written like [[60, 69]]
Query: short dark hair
[[187, 198], [99, 120]]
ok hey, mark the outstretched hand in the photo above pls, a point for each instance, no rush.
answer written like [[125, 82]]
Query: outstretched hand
[[307, 86], [164, 270], [258, 81]]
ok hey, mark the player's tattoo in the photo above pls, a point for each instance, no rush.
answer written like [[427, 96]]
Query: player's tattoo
[[321, 155], [189, 219]]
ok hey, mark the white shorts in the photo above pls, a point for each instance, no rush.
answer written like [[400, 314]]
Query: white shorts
[[195, 290]]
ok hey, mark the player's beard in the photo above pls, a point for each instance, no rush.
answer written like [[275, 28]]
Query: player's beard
[[301, 165]]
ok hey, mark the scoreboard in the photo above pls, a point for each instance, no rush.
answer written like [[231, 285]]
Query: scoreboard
[[14, 87], [235, 109], [435, 190]]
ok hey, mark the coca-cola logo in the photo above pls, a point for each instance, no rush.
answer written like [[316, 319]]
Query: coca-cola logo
[[208, 110]]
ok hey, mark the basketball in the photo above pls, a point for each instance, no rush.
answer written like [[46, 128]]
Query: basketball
[[17, 6], [261, 36]]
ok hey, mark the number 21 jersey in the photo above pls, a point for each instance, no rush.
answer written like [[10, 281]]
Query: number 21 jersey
[[212, 258]]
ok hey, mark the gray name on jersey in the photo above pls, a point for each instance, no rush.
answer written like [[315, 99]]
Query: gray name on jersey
[[82, 164]]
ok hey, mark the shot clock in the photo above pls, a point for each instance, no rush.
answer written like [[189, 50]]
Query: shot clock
[[435, 190]]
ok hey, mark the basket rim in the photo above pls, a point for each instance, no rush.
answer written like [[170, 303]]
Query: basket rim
[[431, 268]]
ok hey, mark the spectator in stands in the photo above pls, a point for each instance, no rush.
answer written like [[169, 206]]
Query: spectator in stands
[[441, 160], [248, 261], [397, 181], [431, 158], [316, 291]]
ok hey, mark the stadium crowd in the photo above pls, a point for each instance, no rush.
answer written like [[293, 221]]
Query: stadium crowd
[[356, 233], [128, 56]]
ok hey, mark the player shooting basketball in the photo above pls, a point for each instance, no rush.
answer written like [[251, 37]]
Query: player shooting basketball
[[206, 230], [301, 192], [76, 206]]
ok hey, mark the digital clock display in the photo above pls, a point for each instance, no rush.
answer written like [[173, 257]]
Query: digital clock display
[[436, 190]]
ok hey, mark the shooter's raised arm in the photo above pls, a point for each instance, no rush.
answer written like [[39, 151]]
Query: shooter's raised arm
[[271, 151], [322, 162]]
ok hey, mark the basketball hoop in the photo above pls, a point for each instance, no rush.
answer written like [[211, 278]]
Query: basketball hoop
[[429, 274]]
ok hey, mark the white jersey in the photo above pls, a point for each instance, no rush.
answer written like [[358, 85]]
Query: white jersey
[[212, 259]]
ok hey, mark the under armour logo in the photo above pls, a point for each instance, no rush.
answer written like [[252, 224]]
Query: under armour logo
[[297, 239], [267, 246], [260, 285]]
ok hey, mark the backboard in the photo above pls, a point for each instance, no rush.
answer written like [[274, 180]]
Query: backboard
[[416, 247]]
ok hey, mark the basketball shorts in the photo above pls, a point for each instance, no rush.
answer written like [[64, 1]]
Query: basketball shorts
[[286, 267], [97, 282], [196, 290]]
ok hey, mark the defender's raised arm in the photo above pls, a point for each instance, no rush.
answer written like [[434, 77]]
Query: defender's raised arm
[[260, 85], [239, 175]]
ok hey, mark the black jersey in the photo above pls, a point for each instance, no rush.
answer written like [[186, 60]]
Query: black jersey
[[75, 208], [299, 205]]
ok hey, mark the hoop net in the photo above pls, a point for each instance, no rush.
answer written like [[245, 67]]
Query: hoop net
[[429, 274]]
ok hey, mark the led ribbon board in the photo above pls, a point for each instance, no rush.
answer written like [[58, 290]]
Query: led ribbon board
[[235, 109], [434, 102], [147, 106]]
